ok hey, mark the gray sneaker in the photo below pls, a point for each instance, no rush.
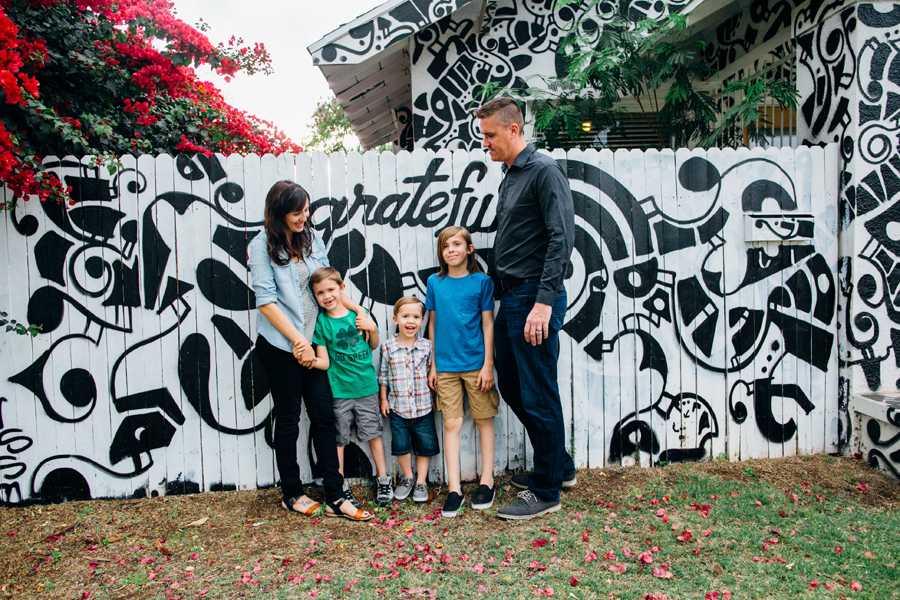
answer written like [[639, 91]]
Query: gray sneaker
[[420, 493], [522, 480], [528, 506], [385, 493], [401, 492]]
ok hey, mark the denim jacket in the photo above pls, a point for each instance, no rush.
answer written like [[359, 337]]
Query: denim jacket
[[281, 285]]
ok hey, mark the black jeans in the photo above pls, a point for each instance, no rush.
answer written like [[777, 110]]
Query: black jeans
[[289, 382], [527, 378]]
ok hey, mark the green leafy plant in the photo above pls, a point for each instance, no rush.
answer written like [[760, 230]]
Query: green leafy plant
[[14, 326], [332, 131]]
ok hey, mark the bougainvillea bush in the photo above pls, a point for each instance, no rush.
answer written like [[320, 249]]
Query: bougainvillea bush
[[110, 77]]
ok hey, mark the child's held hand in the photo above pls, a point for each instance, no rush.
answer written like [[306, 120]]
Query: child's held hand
[[365, 323], [385, 407], [485, 379], [432, 379], [304, 354]]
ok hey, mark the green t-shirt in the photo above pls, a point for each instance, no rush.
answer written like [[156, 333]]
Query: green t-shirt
[[351, 374]]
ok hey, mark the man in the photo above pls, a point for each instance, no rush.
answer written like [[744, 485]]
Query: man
[[535, 236]]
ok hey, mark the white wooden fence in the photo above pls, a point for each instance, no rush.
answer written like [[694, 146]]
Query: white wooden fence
[[702, 315]]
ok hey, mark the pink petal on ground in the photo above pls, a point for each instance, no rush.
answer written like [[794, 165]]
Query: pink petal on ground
[[855, 585]]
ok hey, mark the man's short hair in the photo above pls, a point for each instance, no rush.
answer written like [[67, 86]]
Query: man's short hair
[[324, 274], [505, 110]]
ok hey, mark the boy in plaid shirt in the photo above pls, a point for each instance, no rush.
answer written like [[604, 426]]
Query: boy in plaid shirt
[[406, 397]]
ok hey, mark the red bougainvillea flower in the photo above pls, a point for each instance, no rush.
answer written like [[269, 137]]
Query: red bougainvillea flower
[[141, 55], [662, 573]]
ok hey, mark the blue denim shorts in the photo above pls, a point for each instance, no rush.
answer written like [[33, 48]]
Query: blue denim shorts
[[418, 434]]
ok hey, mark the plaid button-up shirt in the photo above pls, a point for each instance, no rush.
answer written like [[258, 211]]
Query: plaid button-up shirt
[[405, 372]]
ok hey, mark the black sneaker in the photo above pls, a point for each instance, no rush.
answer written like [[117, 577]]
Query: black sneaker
[[528, 506], [348, 495], [452, 505], [522, 480], [484, 497]]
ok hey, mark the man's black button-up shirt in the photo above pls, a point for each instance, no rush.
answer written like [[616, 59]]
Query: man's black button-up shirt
[[535, 223]]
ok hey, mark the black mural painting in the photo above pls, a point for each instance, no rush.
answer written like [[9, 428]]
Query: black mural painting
[[453, 58], [111, 267], [518, 41], [849, 61]]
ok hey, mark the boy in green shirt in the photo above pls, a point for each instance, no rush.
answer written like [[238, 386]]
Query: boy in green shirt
[[342, 351]]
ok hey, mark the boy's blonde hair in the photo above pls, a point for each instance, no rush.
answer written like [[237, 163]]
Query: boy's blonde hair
[[325, 273], [407, 300], [444, 236]]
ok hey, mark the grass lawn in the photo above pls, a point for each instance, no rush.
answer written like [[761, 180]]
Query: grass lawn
[[816, 526]]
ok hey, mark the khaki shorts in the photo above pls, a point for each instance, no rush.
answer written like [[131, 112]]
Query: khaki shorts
[[483, 405]]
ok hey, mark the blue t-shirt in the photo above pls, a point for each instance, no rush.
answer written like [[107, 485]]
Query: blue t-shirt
[[458, 304]]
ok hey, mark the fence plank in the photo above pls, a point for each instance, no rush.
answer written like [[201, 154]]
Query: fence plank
[[381, 311], [604, 446], [660, 192], [19, 410], [825, 204], [140, 367], [574, 370], [386, 247]]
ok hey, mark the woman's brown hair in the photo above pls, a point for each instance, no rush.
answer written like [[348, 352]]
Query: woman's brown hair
[[444, 236], [284, 198]]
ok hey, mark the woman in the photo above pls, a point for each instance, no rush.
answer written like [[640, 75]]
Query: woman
[[281, 260]]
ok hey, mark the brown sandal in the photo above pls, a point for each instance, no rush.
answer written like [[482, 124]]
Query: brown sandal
[[288, 505], [336, 512]]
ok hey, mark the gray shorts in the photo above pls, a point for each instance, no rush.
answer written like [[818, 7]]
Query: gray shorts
[[365, 411]]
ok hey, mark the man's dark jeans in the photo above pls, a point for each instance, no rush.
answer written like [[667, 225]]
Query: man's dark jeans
[[527, 377]]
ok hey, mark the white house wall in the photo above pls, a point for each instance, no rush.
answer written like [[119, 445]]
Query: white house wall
[[517, 46], [682, 341], [849, 81]]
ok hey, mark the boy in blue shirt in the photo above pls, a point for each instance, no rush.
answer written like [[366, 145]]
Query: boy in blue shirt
[[460, 299]]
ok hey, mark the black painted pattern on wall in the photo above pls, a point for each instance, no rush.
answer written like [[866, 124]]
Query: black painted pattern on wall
[[145, 365]]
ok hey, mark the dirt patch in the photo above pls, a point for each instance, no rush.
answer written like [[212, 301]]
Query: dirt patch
[[834, 474], [129, 548]]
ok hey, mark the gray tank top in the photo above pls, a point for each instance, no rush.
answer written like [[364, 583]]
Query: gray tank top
[[310, 308]]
